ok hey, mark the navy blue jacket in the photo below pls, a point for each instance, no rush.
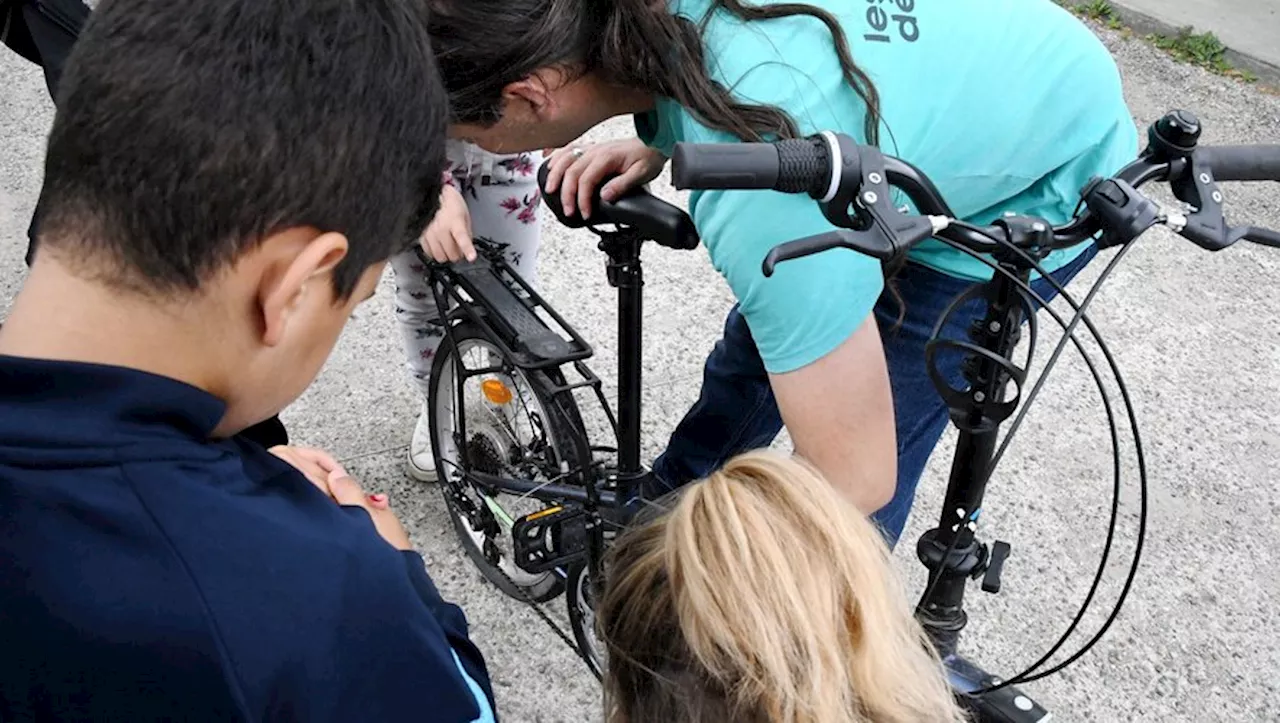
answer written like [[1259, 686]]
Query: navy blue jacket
[[148, 573]]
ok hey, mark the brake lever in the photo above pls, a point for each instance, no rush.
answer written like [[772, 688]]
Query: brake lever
[[881, 241], [862, 209], [1206, 226], [885, 232], [807, 246], [1262, 236]]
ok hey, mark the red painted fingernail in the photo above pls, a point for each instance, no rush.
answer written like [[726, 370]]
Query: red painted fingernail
[[378, 498]]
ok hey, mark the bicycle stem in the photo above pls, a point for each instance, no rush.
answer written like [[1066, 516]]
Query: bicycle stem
[[951, 551]]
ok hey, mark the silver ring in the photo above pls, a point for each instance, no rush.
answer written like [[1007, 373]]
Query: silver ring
[[577, 152]]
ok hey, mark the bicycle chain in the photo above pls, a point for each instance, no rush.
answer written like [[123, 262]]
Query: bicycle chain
[[537, 608]]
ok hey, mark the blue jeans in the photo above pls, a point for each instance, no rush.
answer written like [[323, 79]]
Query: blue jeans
[[737, 412]]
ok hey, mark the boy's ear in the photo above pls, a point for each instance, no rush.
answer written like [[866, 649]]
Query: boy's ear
[[303, 269]]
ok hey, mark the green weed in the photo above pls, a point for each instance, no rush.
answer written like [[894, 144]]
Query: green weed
[[1202, 49], [1098, 10]]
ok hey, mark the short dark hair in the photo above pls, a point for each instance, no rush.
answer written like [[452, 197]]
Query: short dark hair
[[187, 131]]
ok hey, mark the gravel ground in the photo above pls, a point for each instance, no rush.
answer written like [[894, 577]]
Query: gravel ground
[[1195, 333]]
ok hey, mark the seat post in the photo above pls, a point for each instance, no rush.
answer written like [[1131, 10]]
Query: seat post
[[626, 275]]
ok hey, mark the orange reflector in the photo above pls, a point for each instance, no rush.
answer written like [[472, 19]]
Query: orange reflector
[[495, 391]]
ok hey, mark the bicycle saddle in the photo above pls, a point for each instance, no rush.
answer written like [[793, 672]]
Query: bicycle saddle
[[659, 221]]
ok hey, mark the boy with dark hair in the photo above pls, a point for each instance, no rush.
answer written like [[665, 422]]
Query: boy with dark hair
[[44, 31], [223, 184]]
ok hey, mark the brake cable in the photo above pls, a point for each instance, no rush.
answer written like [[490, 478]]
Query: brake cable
[[1029, 674]]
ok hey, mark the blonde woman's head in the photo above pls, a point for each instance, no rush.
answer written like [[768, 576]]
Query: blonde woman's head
[[763, 597]]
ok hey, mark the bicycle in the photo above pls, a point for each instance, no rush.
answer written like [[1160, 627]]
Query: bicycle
[[851, 184], [583, 501], [561, 502]]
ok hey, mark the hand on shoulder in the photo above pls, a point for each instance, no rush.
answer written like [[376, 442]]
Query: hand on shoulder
[[322, 470]]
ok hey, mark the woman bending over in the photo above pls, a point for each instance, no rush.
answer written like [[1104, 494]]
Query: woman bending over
[[1008, 105]]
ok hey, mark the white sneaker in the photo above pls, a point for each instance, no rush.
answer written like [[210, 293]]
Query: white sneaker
[[422, 461]]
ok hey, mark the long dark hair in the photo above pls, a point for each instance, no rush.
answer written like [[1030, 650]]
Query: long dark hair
[[484, 45]]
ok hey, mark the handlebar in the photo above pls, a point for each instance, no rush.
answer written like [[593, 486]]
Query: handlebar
[[1243, 163], [804, 166], [852, 185], [801, 165]]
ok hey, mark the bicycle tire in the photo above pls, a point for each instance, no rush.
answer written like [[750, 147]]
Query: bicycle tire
[[577, 603], [563, 422]]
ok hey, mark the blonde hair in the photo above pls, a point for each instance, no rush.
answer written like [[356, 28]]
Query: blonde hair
[[763, 596]]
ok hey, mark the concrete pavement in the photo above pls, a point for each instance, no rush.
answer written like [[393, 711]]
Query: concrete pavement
[[1249, 28], [1196, 334]]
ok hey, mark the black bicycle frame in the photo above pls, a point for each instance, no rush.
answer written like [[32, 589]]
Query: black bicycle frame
[[951, 551], [625, 272], [490, 308]]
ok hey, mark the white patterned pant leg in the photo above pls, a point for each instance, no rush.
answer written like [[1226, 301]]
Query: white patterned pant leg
[[502, 196]]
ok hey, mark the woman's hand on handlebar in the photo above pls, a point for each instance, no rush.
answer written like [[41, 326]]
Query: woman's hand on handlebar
[[448, 236], [577, 171]]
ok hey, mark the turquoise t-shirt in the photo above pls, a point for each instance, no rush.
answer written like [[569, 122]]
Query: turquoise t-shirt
[[1007, 105]]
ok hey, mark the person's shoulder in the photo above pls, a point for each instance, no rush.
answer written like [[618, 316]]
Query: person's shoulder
[[221, 546], [788, 61], [104, 600]]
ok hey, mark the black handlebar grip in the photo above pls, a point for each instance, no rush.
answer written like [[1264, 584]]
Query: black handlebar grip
[[724, 165], [800, 165], [804, 166], [1243, 163]]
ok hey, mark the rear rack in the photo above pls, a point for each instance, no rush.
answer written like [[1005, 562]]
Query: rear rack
[[484, 291]]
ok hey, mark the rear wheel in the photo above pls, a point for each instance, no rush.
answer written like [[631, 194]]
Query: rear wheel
[[514, 428]]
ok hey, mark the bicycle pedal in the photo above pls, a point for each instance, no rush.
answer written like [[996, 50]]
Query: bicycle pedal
[[550, 538]]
